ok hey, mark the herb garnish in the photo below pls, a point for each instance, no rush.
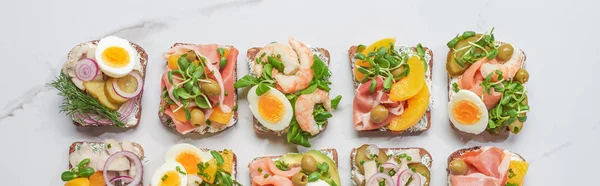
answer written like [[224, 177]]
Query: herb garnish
[[76, 101], [511, 107], [188, 89], [281, 165], [484, 46], [80, 171]]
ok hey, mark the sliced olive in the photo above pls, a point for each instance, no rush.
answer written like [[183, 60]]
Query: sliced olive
[[211, 88], [458, 167], [308, 163], [522, 76], [197, 118], [505, 51], [379, 114], [300, 179], [421, 169], [191, 56], [361, 157], [381, 157]]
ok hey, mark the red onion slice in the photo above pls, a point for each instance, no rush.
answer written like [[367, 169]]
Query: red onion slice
[[140, 83], [137, 165], [125, 179], [389, 166], [406, 175], [376, 178], [86, 69], [98, 120], [126, 109]]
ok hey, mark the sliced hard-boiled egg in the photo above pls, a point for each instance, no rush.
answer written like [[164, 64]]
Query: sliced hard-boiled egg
[[170, 174], [467, 112], [115, 56], [272, 109], [189, 156]]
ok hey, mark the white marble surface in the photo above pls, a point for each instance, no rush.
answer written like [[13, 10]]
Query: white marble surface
[[561, 39]]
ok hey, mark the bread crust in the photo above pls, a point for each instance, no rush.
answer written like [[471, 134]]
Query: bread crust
[[144, 61], [352, 51], [258, 128], [524, 59], [166, 120]]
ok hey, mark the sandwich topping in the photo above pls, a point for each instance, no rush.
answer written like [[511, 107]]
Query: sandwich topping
[[101, 83], [290, 90], [313, 168], [197, 87], [186, 164], [488, 166], [393, 90], [487, 84], [104, 164], [373, 166]]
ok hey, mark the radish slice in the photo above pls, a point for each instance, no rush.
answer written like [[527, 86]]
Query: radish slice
[[137, 165], [129, 95], [407, 175], [376, 178], [86, 69], [125, 179]]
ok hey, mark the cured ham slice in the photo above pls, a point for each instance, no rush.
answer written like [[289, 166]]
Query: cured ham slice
[[471, 80], [486, 168], [365, 100]]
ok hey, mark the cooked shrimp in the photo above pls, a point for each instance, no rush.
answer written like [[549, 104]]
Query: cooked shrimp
[[298, 81], [282, 51], [305, 107], [508, 69]]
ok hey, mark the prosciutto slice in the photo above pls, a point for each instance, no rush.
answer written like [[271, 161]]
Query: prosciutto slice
[[486, 168], [365, 100]]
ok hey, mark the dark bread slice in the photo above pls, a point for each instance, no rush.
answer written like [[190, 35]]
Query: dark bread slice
[[450, 78], [352, 51], [135, 145], [258, 128], [166, 120], [143, 60], [460, 152], [332, 151]]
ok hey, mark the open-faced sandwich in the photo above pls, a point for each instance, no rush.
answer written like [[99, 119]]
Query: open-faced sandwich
[[392, 87], [186, 164], [105, 163], [102, 81], [486, 84], [289, 90], [374, 166], [312, 168], [486, 166], [197, 88]]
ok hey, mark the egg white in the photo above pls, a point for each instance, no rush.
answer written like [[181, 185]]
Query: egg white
[[480, 125], [177, 149], [166, 167], [118, 42], [277, 126]]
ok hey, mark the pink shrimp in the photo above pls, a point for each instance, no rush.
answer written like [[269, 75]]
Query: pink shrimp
[[305, 107], [300, 79], [508, 68]]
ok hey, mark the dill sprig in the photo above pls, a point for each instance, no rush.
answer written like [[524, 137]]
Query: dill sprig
[[77, 102]]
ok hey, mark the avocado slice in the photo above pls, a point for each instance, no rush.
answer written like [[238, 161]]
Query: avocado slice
[[291, 158], [333, 169]]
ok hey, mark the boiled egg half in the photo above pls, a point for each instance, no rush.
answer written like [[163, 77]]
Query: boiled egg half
[[189, 156], [272, 109], [467, 112], [170, 174], [115, 56]]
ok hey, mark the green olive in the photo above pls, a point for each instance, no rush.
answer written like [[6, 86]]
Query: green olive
[[522, 76], [197, 118], [421, 169], [211, 88], [505, 52], [308, 163], [396, 72], [191, 56], [381, 157], [300, 179], [379, 114], [458, 167]]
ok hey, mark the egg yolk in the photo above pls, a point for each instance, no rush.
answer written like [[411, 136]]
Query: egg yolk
[[189, 160], [170, 178], [270, 108], [115, 57], [466, 112]]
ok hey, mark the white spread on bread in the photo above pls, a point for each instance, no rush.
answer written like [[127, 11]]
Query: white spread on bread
[[98, 153]]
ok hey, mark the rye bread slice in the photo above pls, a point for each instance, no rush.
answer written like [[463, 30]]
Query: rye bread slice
[[135, 145], [460, 152], [352, 51], [258, 128], [333, 152], [166, 120], [450, 91], [138, 100]]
